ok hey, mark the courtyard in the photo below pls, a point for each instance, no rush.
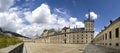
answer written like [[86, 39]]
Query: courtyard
[[31, 47], [53, 48]]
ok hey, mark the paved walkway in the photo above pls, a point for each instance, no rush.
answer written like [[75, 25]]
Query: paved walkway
[[65, 48], [98, 49], [52, 48]]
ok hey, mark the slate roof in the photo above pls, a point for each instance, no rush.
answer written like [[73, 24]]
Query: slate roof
[[77, 29]]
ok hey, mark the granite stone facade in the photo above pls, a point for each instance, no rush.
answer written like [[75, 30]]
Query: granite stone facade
[[110, 35], [70, 35]]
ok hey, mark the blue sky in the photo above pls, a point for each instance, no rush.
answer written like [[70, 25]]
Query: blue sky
[[105, 10]]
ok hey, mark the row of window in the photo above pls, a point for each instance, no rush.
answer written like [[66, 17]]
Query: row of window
[[89, 29], [78, 35], [110, 44], [110, 35], [80, 38], [80, 41], [89, 24]]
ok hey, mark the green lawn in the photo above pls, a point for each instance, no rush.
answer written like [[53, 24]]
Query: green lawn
[[6, 41]]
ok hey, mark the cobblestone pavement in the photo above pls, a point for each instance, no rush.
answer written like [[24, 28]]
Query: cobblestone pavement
[[98, 49], [52, 48]]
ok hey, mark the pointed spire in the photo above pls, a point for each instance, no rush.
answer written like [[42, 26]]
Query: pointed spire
[[69, 25], [89, 14], [58, 29], [76, 26]]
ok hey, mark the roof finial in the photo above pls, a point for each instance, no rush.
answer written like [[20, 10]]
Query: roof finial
[[89, 14], [76, 26], [69, 25], [58, 28]]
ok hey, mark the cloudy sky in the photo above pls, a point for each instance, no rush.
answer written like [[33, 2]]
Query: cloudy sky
[[31, 17]]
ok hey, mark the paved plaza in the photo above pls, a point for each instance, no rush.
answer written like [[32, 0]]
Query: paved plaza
[[91, 48], [65, 48], [52, 48]]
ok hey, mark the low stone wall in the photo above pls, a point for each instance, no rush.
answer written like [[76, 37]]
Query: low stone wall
[[18, 48]]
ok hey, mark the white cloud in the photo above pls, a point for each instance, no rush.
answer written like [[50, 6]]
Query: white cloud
[[41, 14], [75, 23], [73, 19], [93, 15], [5, 4], [30, 30], [35, 29], [61, 21], [41, 18], [15, 9], [79, 24], [60, 10], [95, 34], [9, 21]]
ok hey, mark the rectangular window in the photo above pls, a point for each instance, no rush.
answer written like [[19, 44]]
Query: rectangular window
[[117, 32], [82, 41], [106, 36], [65, 35], [110, 35], [103, 37], [117, 44], [110, 44], [105, 43], [82, 35]]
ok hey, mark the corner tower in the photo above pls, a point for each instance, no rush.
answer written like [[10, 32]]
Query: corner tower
[[89, 29], [89, 23]]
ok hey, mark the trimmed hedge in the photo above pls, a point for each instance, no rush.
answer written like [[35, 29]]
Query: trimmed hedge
[[6, 40]]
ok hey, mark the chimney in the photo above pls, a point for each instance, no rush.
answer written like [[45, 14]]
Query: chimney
[[105, 27]]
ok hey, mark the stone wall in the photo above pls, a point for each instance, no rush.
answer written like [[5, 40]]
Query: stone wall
[[13, 49], [109, 37], [18, 49]]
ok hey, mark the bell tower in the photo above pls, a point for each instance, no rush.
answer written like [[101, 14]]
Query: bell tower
[[89, 23]]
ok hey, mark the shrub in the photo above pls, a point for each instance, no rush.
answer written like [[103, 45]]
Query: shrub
[[6, 40]]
